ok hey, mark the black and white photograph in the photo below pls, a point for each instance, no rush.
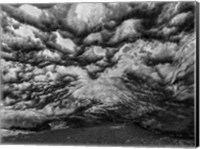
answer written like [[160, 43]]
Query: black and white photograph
[[99, 73]]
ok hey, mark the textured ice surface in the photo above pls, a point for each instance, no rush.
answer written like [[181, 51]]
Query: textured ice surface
[[92, 62]]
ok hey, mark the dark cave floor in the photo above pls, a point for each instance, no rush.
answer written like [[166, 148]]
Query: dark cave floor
[[107, 134]]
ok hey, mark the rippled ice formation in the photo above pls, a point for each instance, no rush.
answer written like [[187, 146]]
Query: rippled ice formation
[[97, 62]]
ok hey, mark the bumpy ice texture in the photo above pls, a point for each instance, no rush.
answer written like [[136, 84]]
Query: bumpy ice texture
[[97, 62]]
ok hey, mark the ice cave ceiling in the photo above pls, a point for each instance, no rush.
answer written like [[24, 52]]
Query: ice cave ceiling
[[99, 61]]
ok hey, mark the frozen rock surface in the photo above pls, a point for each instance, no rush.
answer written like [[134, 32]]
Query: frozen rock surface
[[97, 62]]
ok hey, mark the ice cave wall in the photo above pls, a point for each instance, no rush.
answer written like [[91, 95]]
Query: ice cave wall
[[130, 62]]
